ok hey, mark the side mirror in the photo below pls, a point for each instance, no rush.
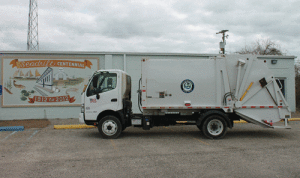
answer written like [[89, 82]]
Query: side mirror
[[97, 96]]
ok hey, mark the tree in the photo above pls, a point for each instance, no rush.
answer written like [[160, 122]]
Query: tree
[[262, 47]]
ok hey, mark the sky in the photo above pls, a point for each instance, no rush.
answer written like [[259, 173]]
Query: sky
[[169, 26]]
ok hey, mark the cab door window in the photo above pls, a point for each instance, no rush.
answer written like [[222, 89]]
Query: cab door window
[[102, 82]]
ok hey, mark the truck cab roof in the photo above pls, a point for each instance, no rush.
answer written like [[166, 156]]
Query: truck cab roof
[[112, 70]]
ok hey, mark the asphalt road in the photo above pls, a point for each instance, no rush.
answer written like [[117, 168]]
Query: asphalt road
[[178, 151]]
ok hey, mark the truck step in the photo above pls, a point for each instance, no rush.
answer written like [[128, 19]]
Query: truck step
[[253, 121]]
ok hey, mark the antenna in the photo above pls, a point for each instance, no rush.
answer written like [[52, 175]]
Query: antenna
[[223, 42], [32, 36]]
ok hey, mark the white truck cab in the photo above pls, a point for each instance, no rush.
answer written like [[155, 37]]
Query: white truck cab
[[107, 95]]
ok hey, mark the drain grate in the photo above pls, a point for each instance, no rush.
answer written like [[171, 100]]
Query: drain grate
[[12, 128]]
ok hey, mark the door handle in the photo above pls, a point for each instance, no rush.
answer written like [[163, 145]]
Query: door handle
[[114, 100]]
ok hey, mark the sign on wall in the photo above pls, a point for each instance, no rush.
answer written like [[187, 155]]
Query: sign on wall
[[45, 82]]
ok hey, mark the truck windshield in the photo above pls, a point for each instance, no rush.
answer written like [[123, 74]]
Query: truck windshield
[[102, 82]]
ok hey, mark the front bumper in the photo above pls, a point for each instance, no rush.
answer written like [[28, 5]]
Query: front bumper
[[81, 118]]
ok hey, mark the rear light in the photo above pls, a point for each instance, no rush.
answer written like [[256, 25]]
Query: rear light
[[187, 103], [82, 108]]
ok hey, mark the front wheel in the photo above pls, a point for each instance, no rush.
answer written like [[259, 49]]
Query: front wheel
[[214, 127], [110, 127]]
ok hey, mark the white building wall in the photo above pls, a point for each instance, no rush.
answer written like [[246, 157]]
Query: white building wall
[[131, 63], [118, 62], [108, 61], [101, 61]]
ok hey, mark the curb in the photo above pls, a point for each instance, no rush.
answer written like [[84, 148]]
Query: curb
[[241, 121], [12, 128], [294, 119], [77, 126]]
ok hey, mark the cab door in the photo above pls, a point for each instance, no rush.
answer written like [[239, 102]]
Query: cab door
[[102, 94]]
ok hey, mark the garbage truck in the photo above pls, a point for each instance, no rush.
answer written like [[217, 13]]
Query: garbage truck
[[210, 93]]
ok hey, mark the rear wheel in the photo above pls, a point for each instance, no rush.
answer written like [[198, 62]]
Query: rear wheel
[[110, 127], [214, 127]]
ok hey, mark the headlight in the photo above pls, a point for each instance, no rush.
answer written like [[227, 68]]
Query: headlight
[[82, 108]]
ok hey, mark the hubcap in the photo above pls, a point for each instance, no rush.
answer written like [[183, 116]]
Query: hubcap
[[215, 127], [109, 127]]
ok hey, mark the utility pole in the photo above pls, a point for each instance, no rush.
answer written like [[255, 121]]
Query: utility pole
[[32, 35], [223, 42]]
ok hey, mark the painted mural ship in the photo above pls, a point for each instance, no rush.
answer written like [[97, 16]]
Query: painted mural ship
[[18, 74], [28, 75]]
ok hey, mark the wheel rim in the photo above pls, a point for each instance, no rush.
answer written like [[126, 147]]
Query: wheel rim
[[215, 127], [109, 127]]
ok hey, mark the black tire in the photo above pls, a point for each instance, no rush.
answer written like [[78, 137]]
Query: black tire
[[214, 127], [110, 127]]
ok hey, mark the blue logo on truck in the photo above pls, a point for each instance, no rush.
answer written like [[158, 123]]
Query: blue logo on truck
[[187, 86]]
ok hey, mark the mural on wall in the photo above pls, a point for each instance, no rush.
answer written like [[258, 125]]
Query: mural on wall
[[41, 82]]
